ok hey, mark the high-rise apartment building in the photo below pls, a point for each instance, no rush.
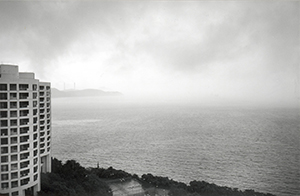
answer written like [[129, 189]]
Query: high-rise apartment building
[[25, 131]]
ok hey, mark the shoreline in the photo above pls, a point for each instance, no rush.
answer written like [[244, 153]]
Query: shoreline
[[70, 178]]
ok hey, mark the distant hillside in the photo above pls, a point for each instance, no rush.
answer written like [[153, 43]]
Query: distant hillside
[[82, 93]]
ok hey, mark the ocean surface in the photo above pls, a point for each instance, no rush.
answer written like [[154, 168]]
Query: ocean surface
[[246, 148]]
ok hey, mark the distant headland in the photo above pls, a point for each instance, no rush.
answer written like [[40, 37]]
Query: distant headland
[[55, 93]]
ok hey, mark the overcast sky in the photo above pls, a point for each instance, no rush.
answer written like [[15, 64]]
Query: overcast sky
[[231, 51]]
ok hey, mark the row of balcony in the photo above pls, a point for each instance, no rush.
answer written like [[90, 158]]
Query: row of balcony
[[22, 113], [14, 122], [14, 140], [14, 96], [13, 87], [22, 104], [14, 131], [14, 184]]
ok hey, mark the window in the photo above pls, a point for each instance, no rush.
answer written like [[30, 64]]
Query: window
[[14, 157], [24, 130], [35, 177], [23, 87], [14, 140], [3, 105], [4, 185], [13, 114], [15, 193], [4, 168], [24, 104], [24, 156], [14, 175], [24, 138], [25, 181], [24, 121], [24, 173], [13, 87], [4, 159], [24, 112], [14, 184], [3, 87], [4, 177], [3, 96], [3, 132], [13, 105], [13, 131], [24, 164], [14, 149], [24, 147], [13, 123], [23, 95], [3, 114], [14, 166], [4, 150], [12, 96], [4, 140], [34, 87], [3, 123]]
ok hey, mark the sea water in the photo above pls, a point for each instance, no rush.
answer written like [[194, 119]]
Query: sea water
[[246, 148]]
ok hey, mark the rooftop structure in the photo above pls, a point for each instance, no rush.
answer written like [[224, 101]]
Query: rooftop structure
[[25, 131]]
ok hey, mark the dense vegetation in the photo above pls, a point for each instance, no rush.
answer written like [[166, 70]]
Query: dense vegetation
[[72, 179]]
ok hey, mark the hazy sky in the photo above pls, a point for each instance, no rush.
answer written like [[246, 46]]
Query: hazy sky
[[233, 51]]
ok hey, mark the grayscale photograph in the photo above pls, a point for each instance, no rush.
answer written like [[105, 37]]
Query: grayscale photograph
[[149, 98]]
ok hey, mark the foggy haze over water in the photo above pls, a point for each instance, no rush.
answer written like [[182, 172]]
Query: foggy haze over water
[[244, 52]]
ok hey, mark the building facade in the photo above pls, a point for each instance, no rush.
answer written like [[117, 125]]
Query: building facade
[[25, 131]]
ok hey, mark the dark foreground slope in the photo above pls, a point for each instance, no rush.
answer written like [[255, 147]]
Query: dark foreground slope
[[72, 179]]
